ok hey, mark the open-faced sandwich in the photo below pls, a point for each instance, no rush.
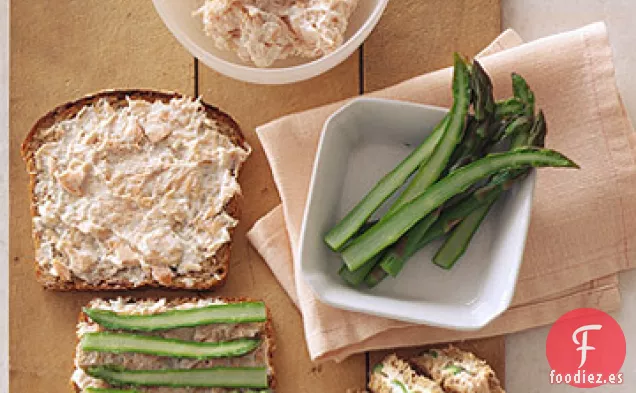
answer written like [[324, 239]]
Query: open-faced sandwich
[[174, 346], [134, 188], [448, 370]]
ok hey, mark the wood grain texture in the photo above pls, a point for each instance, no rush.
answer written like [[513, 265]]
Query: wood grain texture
[[415, 37], [253, 105], [64, 49], [61, 50]]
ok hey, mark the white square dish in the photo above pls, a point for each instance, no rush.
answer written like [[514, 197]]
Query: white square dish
[[362, 142]]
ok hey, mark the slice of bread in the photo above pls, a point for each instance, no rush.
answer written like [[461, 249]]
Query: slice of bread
[[457, 371], [395, 375], [449, 370], [262, 356], [212, 270]]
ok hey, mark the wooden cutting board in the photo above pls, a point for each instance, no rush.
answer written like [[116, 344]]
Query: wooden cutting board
[[63, 49]]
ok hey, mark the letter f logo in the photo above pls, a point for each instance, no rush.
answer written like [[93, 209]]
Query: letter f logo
[[583, 344]]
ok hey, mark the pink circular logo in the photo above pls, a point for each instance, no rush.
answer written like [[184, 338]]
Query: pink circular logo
[[586, 348]]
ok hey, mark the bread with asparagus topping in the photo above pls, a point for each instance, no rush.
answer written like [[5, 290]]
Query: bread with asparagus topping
[[174, 346]]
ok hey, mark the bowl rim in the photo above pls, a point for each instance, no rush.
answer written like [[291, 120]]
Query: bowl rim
[[278, 75], [329, 295]]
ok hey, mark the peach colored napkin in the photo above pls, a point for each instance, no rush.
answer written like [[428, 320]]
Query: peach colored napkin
[[582, 231]]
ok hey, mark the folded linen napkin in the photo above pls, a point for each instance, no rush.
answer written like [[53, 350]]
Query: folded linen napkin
[[581, 232]]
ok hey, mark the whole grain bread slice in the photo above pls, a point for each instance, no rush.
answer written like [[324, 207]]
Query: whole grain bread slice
[[214, 270], [267, 336]]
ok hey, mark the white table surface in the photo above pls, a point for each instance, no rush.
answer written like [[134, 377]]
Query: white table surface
[[527, 368]]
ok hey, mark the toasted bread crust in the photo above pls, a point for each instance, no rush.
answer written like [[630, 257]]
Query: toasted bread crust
[[218, 265], [268, 330]]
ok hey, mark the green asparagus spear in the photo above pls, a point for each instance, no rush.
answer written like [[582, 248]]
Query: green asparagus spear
[[436, 232], [482, 97], [498, 184], [376, 276], [218, 313], [91, 389], [509, 107], [538, 131], [150, 345], [413, 241], [355, 278], [225, 377], [469, 143], [476, 142], [485, 196], [454, 215], [389, 230], [338, 236], [523, 93], [519, 125], [425, 232], [429, 172], [479, 136], [533, 137], [450, 217], [394, 260], [452, 155], [456, 244], [466, 214], [351, 277], [362, 229]]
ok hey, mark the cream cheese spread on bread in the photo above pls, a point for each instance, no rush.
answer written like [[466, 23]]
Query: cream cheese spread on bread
[[139, 189], [263, 31]]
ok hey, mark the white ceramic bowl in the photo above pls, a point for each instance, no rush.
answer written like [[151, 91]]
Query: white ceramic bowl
[[361, 143], [177, 15]]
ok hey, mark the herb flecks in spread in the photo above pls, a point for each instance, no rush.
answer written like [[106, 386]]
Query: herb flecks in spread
[[436, 371], [263, 31], [458, 371], [394, 375], [138, 190]]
